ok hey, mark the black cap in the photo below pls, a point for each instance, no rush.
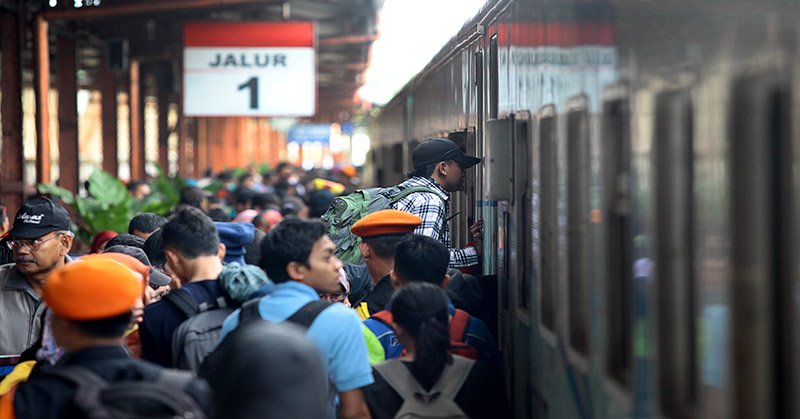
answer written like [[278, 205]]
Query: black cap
[[38, 217], [155, 278], [435, 150]]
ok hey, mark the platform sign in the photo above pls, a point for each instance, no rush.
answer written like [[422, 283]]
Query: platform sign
[[249, 69]]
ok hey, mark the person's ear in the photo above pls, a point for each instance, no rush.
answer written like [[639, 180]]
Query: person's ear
[[446, 281], [173, 259], [366, 252], [66, 244], [442, 168], [395, 279], [296, 271], [221, 251]]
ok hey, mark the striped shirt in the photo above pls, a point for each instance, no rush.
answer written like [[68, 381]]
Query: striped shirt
[[433, 209]]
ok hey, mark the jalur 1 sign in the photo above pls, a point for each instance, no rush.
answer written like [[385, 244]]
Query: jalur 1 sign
[[249, 69]]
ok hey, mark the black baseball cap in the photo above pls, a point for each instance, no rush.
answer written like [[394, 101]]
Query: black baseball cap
[[155, 278], [434, 150], [38, 217]]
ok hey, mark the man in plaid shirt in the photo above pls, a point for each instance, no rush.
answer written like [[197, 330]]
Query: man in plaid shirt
[[440, 165]]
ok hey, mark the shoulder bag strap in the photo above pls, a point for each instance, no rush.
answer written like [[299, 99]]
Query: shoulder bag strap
[[183, 301], [308, 313], [458, 325], [453, 377]]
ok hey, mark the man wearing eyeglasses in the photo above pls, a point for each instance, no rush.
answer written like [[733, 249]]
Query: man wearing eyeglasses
[[39, 241]]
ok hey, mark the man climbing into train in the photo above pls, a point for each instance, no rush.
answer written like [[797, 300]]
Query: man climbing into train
[[441, 165]]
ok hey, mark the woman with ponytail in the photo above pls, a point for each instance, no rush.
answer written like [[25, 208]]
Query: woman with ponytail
[[420, 316]]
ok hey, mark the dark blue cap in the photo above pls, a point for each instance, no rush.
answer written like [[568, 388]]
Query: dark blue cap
[[234, 236]]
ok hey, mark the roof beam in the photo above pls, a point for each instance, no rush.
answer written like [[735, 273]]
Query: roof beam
[[142, 7]]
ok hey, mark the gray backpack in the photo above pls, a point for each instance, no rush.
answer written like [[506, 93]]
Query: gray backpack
[[198, 335], [439, 401], [165, 398]]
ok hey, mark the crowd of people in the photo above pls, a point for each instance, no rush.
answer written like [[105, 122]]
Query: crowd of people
[[237, 306]]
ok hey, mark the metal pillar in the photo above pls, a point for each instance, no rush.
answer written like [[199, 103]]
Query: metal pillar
[[108, 86], [68, 154], [137, 159], [41, 77], [163, 122], [12, 175], [202, 147]]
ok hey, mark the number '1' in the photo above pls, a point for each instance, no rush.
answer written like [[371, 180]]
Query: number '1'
[[251, 84]]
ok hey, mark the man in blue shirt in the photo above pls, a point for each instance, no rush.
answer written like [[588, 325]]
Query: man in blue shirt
[[300, 258], [192, 248]]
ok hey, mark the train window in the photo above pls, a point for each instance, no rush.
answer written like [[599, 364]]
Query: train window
[[397, 158], [578, 225], [619, 258], [763, 252], [522, 184], [548, 222], [674, 249], [494, 82]]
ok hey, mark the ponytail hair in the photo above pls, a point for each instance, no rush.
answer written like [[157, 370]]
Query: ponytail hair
[[421, 310]]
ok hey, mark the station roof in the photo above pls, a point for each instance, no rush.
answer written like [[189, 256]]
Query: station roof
[[154, 28]]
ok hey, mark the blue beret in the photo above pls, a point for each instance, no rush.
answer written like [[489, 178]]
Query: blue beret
[[234, 236]]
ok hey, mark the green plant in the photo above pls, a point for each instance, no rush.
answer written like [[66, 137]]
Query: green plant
[[109, 206]]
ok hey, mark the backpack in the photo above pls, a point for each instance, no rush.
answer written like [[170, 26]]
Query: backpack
[[198, 335], [344, 211], [96, 398], [439, 401], [304, 316], [382, 329], [249, 313]]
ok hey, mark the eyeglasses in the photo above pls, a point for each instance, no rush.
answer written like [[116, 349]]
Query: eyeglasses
[[30, 244], [336, 297]]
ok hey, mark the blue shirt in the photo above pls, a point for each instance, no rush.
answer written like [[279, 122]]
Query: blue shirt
[[162, 318], [336, 332]]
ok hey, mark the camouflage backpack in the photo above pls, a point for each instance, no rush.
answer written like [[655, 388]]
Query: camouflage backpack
[[344, 211]]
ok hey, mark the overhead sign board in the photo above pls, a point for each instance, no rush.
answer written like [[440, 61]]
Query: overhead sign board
[[309, 133], [249, 69]]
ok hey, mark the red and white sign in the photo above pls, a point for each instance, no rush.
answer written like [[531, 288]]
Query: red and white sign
[[249, 69]]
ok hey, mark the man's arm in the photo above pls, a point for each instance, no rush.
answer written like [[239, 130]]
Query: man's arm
[[353, 405]]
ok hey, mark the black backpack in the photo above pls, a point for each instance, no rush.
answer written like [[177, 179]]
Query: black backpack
[[199, 334], [249, 313], [95, 398]]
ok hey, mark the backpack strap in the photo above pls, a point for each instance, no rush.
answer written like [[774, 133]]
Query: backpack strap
[[184, 302], [176, 379], [414, 189], [400, 379], [458, 325], [308, 313], [453, 377], [383, 316], [249, 311]]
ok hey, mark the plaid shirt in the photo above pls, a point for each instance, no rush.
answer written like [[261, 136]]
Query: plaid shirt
[[433, 209]]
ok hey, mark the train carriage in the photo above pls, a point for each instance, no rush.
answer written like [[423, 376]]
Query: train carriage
[[638, 190]]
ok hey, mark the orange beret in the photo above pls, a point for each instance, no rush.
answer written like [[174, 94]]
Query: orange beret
[[385, 222], [131, 262], [92, 289]]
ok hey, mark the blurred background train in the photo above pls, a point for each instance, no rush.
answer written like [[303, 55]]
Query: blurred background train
[[639, 190]]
